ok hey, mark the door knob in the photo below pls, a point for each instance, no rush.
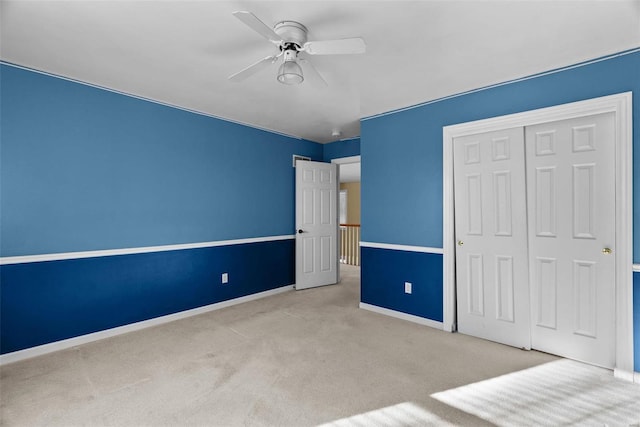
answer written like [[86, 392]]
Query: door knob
[[607, 251], [300, 231], [460, 243]]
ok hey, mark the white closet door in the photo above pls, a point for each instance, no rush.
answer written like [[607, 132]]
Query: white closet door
[[491, 234], [571, 190]]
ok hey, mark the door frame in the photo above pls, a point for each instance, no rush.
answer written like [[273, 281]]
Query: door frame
[[621, 105]]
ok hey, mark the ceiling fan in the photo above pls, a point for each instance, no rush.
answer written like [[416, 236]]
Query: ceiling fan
[[291, 39]]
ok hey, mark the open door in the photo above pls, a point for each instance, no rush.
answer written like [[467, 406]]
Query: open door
[[316, 224]]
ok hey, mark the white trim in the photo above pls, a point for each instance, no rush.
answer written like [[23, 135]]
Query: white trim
[[449, 314], [620, 104], [624, 231], [297, 157], [508, 82], [423, 249], [351, 138], [624, 375], [636, 268], [345, 160], [400, 315], [141, 250], [84, 339]]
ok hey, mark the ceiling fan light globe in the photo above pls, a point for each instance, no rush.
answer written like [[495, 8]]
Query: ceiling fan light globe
[[290, 73]]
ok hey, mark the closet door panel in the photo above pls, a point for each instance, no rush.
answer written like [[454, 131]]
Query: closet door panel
[[571, 186], [490, 221]]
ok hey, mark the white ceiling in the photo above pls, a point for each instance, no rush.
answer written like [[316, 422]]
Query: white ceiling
[[350, 172], [181, 52]]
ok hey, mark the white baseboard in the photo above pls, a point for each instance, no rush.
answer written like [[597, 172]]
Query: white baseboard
[[633, 377], [403, 316], [107, 333]]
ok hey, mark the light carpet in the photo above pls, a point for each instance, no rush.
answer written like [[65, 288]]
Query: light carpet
[[300, 358]]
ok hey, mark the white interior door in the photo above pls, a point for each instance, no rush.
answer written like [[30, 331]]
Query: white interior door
[[491, 235], [316, 224], [571, 197]]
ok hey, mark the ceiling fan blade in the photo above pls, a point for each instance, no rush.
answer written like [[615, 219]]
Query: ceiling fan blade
[[311, 74], [258, 26], [252, 69], [335, 47]]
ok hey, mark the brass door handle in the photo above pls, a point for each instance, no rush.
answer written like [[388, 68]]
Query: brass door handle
[[607, 251], [460, 243]]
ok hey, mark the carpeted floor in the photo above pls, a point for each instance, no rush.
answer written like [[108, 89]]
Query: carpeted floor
[[295, 359]]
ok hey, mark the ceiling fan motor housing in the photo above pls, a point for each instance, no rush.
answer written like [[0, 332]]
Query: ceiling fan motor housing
[[291, 39], [290, 55], [291, 32]]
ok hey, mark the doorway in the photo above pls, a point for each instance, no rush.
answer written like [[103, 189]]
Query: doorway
[[349, 211], [620, 107]]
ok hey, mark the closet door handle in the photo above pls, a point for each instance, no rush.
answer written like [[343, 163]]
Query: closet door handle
[[607, 251], [460, 243]]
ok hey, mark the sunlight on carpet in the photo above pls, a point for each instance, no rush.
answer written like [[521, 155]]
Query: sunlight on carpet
[[402, 414], [563, 392]]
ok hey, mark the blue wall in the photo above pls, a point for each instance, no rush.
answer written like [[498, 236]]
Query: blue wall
[[403, 150], [636, 319], [86, 169], [43, 302], [385, 271], [338, 149], [83, 169]]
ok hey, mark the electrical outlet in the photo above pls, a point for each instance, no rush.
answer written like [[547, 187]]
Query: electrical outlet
[[407, 287], [225, 277]]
